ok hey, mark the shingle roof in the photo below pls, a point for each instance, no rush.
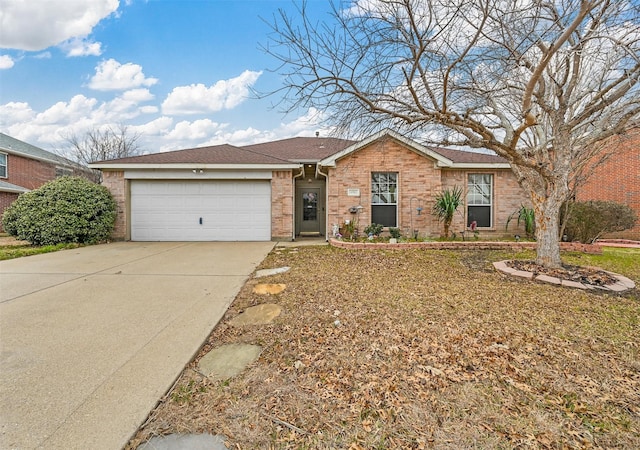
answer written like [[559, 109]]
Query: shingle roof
[[301, 149], [16, 146], [463, 156], [9, 187], [217, 154], [285, 151]]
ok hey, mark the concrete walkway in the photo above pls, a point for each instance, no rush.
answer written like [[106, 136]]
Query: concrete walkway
[[91, 338]]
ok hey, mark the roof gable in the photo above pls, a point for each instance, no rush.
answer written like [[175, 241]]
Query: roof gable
[[387, 134]]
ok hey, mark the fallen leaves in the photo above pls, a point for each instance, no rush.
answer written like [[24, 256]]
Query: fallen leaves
[[431, 351]]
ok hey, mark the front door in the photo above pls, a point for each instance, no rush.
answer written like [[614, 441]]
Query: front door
[[310, 222]]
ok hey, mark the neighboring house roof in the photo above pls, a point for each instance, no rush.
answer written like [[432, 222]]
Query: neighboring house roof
[[12, 188], [290, 153], [15, 146]]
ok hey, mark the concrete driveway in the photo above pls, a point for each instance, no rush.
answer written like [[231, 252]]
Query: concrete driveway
[[91, 338]]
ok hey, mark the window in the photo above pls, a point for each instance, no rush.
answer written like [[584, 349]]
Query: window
[[63, 171], [384, 198], [3, 165], [479, 199]]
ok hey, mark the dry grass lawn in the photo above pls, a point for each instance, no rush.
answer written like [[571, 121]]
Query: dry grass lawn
[[433, 349]]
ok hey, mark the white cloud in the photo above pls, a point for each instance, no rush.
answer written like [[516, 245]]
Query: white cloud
[[43, 55], [198, 99], [138, 95], [155, 128], [36, 25], [112, 76], [193, 131], [81, 47], [67, 112], [6, 62], [15, 112], [149, 109]]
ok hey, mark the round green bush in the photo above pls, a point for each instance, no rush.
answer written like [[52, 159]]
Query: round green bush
[[67, 209]]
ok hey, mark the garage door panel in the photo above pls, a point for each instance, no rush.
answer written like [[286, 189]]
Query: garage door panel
[[171, 210]]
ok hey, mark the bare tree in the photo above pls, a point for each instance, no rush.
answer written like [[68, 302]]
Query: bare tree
[[539, 82], [103, 143]]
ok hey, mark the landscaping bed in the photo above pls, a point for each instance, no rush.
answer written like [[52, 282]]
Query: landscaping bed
[[415, 349]]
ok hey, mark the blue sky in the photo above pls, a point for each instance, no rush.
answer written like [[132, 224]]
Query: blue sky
[[179, 72]]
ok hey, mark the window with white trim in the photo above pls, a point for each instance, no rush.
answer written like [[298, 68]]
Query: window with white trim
[[3, 165], [63, 172], [384, 198], [480, 199]]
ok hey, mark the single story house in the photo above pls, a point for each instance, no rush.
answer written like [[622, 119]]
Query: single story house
[[24, 167], [306, 186]]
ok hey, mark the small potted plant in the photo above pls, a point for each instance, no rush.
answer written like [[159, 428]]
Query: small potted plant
[[395, 235]]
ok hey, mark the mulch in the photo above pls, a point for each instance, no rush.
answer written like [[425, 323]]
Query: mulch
[[586, 275]]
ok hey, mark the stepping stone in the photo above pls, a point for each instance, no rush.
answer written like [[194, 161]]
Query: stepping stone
[[257, 315], [185, 442], [228, 361], [268, 289], [267, 272]]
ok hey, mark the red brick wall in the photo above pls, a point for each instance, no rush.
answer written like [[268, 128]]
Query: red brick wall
[[418, 179], [618, 179], [507, 198], [282, 205], [28, 173]]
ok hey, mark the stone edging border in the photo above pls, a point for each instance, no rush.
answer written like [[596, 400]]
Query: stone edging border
[[458, 245], [623, 284]]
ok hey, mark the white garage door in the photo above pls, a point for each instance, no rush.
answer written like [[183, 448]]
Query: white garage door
[[212, 210]]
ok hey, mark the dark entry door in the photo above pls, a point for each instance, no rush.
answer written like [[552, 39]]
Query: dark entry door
[[310, 222]]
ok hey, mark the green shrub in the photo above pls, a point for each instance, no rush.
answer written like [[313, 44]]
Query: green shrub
[[373, 230], [65, 210], [395, 233], [587, 221], [527, 216]]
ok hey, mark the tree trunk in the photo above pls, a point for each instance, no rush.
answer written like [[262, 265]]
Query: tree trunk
[[547, 212], [447, 225]]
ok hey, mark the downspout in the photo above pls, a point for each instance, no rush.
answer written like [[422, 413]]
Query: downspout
[[293, 203], [326, 201]]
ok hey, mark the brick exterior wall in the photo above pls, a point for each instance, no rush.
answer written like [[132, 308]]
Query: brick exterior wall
[[117, 185], [282, 205], [507, 198], [28, 173], [618, 179], [419, 180]]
